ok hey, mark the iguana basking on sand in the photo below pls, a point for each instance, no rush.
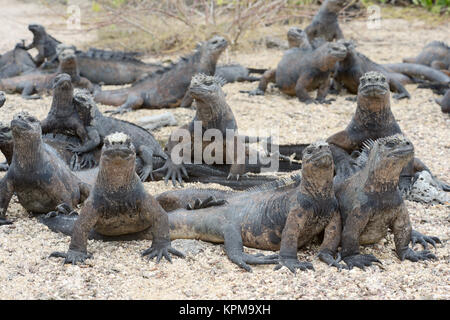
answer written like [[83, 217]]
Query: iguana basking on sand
[[119, 205], [416, 71], [355, 65], [444, 102], [28, 84], [435, 54], [44, 43], [167, 88], [302, 70], [99, 126], [267, 218], [370, 203], [325, 23], [15, 62], [39, 178]]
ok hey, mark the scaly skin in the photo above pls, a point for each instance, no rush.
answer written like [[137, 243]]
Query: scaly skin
[[436, 55], [236, 73], [371, 203], [28, 84], [44, 43], [166, 88], [267, 218], [99, 126], [325, 23], [119, 205], [39, 178], [302, 70], [15, 62], [355, 65]]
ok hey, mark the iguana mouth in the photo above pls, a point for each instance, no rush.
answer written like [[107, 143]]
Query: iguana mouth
[[373, 89], [322, 159], [402, 152], [21, 124], [114, 153]]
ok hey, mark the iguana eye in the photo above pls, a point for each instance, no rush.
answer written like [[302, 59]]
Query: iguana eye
[[390, 144]]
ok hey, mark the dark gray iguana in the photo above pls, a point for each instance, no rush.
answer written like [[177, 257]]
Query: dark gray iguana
[[302, 70], [31, 83], [119, 205], [15, 62], [370, 203], [237, 73], [40, 179], [288, 215], [166, 88], [435, 54], [325, 23], [44, 43]]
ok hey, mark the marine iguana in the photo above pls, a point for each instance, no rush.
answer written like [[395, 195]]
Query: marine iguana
[[269, 217], [28, 84], [119, 205], [166, 88], [237, 73], [2, 98], [39, 178], [355, 65], [302, 70], [435, 54], [325, 23], [43, 42], [15, 62], [444, 102], [99, 126], [370, 203]]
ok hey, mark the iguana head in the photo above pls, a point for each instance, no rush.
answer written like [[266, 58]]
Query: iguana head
[[328, 54], [297, 38], [349, 44], [204, 87], [85, 106], [214, 47], [62, 47], [67, 60], [62, 82], [2, 98], [317, 168], [117, 161], [37, 30], [373, 84], [334, 49], [25, 128], [335, 5], [386, 159]]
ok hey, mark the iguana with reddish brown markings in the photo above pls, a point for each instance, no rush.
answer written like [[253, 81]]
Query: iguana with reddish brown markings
[[167, 88]]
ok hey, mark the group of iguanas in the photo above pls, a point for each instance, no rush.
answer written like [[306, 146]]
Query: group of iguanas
[[349, 192]]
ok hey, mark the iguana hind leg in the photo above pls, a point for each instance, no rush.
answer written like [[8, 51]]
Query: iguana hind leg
[[133, 102]]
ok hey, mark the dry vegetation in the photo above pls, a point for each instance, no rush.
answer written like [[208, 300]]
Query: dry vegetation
[[117, 270]]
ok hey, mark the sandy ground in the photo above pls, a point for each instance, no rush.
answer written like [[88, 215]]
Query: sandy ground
[[117, 270]]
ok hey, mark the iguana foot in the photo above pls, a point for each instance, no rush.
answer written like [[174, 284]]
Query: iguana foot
[[62, 208], [417, 237], [308, 101], [293, 264], [161, 249], [72, 256], [415, 256], [399, 96], [209, 202], [331, 261], [87, 161], [145, 172], [173, 171], [360, 260], [325, 101], [244, 259], [236, 176], [255, 92], [4, 221]]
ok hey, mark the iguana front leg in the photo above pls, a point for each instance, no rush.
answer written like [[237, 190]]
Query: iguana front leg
[[353, 226], [323, 91], [91, 142], [235, 249], [77, 252], [401, 228], [6, 192], [331, 240], [159, 231], [146, 155], [295, 224], [267, 77], [401, 92], [300, 89]]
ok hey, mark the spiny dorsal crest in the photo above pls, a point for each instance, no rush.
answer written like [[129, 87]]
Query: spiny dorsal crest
[[369, 145], [203, 79]]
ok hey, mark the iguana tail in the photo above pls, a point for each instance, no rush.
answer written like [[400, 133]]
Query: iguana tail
[[418, 70], [111, 97]]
